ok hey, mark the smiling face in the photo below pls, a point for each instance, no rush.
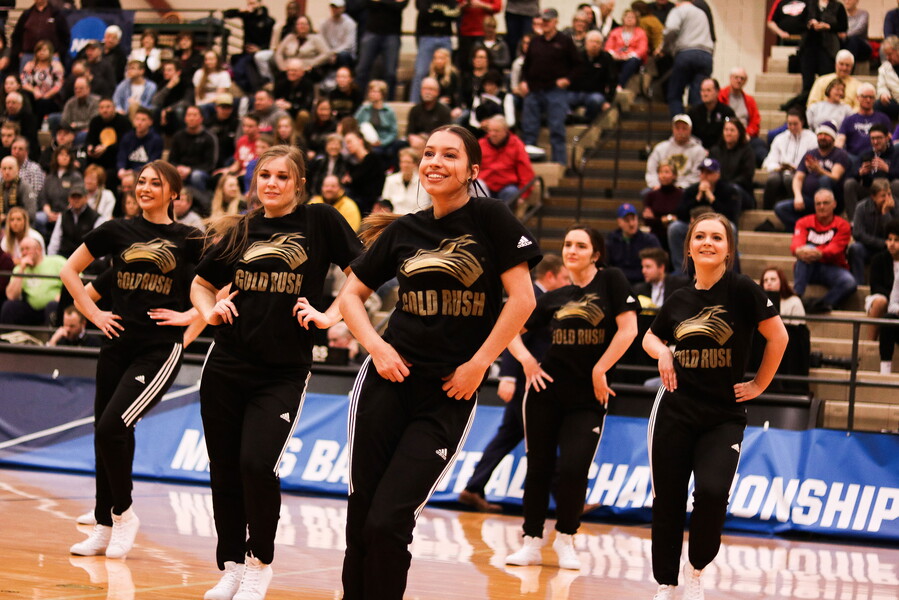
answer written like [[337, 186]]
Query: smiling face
[[844, 67], [445, 169], [152, 191], [276, 186], [708, 244], [578, 253]]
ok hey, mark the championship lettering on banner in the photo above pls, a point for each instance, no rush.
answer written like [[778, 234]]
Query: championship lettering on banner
[[87, 25], [816, 481]]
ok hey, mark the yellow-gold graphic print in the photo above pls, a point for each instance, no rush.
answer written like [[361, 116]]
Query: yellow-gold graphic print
[[582, 309], [708, 322], [449, 257], [286, 246], [156, 251]]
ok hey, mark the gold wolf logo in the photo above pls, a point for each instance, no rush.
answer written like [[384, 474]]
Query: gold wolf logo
[[285, 246], [449, 258], [155, 251], [709, 323], [582, 309]]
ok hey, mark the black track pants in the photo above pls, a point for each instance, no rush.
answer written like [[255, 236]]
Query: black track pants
[[403, 438], [702, 437], [562, 431], [507, 437], [131, 379], [249, 415]]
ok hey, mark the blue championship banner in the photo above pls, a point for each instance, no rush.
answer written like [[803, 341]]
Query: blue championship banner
[[818, 481]]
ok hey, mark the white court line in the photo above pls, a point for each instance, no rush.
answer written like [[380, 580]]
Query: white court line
[[85, 421]]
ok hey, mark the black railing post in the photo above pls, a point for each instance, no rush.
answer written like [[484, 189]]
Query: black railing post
[[853, 375]]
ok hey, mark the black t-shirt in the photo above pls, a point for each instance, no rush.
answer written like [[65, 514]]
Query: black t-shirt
[[712, 332], [582, 322], [450, 291], [152, 267], [286, 258]]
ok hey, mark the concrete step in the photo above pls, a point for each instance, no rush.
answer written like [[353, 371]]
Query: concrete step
[[868, 353], [752, 242], [750, 219], [754, 265], [868, 416]]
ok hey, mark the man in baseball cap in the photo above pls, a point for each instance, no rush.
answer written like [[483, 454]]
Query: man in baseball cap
[[823, 167], [623, 245], [682, 150]]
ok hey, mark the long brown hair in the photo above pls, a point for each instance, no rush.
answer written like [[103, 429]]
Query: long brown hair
[[170, 175], [234, 230], [786, 290], [374, 225]]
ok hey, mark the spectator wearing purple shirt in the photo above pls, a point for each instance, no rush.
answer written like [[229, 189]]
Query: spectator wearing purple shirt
[[853, 135]]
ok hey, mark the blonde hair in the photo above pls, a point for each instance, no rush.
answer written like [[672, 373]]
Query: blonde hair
[[225, 206], [728, 234], [234, 230], [446, 77]]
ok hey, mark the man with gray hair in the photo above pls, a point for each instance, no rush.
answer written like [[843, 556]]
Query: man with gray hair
[[746, 109], [593, 80], [505, 165], [888, 79], [854, 133], [820, 241], [113, 52]]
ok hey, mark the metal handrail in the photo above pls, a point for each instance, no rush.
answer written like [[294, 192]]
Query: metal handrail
[[580, 166], [535, 208]]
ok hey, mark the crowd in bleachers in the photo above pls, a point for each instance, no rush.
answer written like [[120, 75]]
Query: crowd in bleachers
[[330, 89]]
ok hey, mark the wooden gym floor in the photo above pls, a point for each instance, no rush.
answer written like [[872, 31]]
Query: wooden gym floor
[[456, 554]]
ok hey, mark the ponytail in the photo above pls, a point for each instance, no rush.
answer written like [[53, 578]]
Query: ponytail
[[374, 225]]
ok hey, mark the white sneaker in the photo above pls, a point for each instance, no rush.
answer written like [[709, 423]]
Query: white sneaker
[[124, 530], [693, 587], [86, 519], [564, 547], [528, 554], [665, 592], [228, 584], [95, 544], [254, 583]]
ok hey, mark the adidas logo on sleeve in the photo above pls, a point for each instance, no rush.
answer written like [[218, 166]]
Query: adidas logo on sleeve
[[286, 417], [524, 242], [442, 453]]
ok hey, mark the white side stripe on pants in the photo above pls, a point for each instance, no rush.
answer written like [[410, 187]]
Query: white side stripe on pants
[[351, 416], [293, 426], [132, 413], [449, 463], [650, 430]]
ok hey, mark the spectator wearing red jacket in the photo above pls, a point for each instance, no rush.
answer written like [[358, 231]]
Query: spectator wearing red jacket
[[629, 46], [505, 165], [820, 241], [746, 109]]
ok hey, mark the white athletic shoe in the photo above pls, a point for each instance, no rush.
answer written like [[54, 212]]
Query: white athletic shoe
[[564, 547], [228, 584], [665, 592], [124, 530], [254, 583], [528, 554], [693, 587], [95, 544], [86, 519]]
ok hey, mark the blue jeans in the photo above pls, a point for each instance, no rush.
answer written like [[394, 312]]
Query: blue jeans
[[627, 69], [592, 101], [788, 214], [839, 282], [554, 103], [198, 179], [370, 48], [516, 27], [427, 44], [690, 68], [506, 193], [858, 255]]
